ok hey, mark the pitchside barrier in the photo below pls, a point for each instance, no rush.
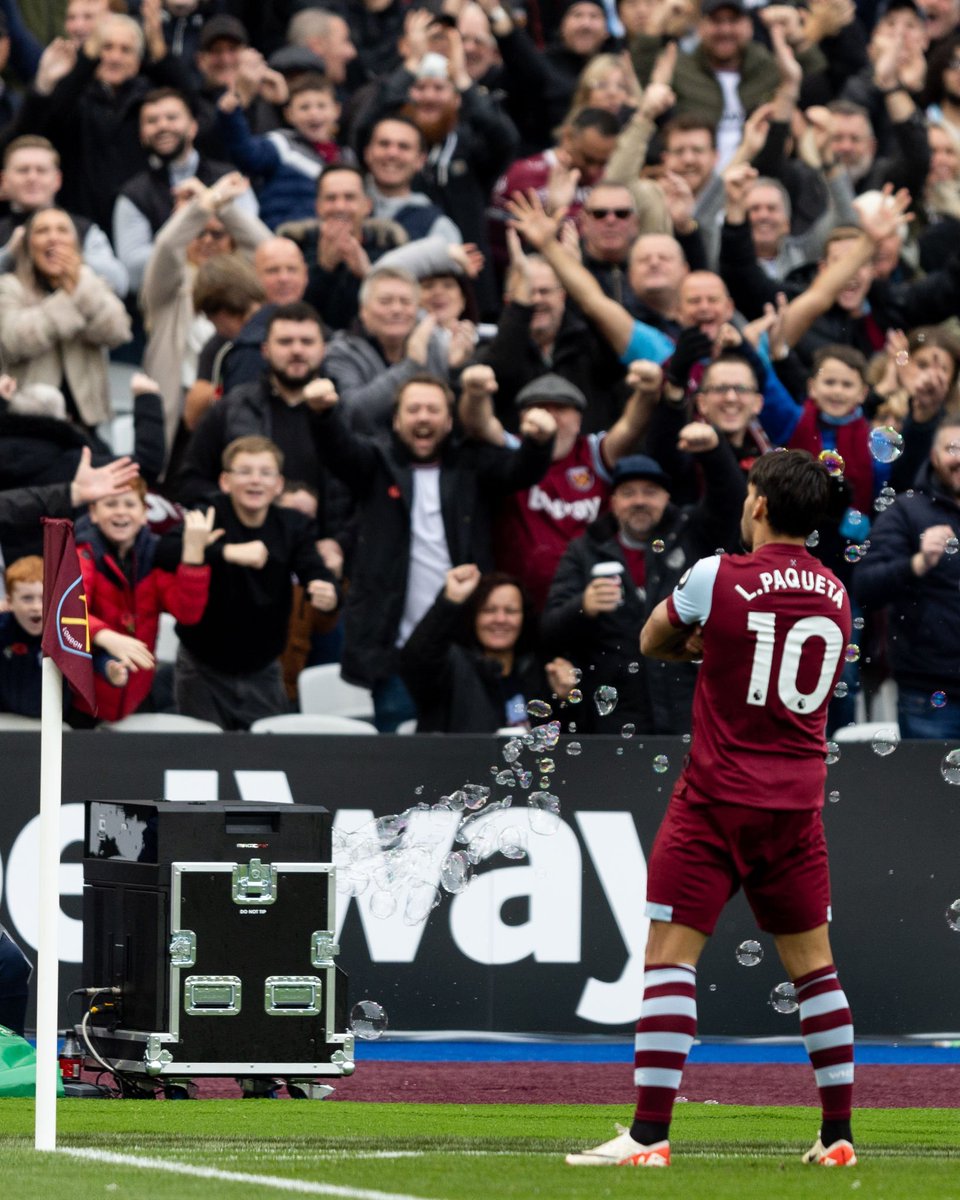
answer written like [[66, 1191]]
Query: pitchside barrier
[[551, 943]]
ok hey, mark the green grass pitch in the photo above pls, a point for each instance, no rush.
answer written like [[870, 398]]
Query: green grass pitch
[[464, 1152]]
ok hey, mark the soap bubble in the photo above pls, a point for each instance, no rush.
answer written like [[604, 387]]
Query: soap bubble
[[832, 461], [853, 553], [840, 690], [657, 545], [628, 730], [951, 545], [512, 750], [938, 699], [605, 698], [573, 749], [950, 767], [661, 764], [507, 779], [852, 653], [539, 709], [544, 813], [633, 668], [749, 953], [475, 795], [454, 875], [546, 766], [953, 916], [422, 899], [512, 842], [813, 540], [575, 696], [858, 622], [833, 754], [885, 741], [834, 797], [886, 444], [480, 847], [383, 904], [783, 999], [368, 1020]]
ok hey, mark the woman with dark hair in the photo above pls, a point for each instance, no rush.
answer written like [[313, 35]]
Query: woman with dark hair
[[471, 663], [58, 319]]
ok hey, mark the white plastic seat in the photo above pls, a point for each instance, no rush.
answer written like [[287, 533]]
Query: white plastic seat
[[167, 641], [16, 721], [310, 723], [160, 723], [321, 690], [863, 731], [408, 726]]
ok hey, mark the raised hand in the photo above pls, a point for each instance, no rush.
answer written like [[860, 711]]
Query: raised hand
[[537, 424], [461, 582], [463, 340], [96, 483], [562, 677], [320, 394], [531, 220], [886, 218], [129, 651], [56, 62], [679, 199], [737, 181], [562, 183], [198, 534], [142, 385], [697, 437], [322, 595], [644, 377], [468, 257]]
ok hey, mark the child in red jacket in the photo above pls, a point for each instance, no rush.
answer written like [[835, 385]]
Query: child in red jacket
[[130, 576]]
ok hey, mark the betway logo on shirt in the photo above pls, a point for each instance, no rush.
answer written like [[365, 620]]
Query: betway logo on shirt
[[586, 510]]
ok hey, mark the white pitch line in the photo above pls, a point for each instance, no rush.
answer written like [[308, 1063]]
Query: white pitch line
[[303, 1186]]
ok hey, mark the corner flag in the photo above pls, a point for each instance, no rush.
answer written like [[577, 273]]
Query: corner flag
[[66, 627]]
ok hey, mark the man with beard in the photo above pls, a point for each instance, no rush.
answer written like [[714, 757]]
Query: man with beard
[[31, 180], [271, 407], [469, 142], [426, 502], [146, 201], [914, 568], [611, 578]]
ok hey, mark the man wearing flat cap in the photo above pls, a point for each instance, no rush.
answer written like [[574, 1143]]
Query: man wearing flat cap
[[610, 580], [537, 524]]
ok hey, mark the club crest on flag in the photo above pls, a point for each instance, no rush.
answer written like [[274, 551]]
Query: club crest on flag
[[73, 622]]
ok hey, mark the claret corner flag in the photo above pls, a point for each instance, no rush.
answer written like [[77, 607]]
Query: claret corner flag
[[66, 626]]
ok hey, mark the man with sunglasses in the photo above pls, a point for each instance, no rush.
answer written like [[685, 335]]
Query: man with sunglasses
[[609, 225]]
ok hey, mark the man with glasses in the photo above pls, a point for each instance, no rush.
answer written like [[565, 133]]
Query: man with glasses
[[609, 226]]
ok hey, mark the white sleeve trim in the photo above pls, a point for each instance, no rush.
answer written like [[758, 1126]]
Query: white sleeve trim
[[693, 595]]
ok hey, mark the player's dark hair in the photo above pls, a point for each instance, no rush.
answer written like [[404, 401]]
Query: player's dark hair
[[797, 489]]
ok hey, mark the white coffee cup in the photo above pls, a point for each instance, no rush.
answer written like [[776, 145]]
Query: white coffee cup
[[609, 570]]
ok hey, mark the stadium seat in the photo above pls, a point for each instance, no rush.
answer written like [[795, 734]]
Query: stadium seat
[[321, 690], [310, 723], [408, 726], [13, 721], [863, 731], [167, 641], [160, 723]]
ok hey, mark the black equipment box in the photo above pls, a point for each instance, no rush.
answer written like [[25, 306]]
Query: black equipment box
[[216, 921]]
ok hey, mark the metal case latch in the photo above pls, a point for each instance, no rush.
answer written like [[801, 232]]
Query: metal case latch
[[211, 995], [155, 1058], [183, 948], [322, 948], [292, 995], [254, 883]]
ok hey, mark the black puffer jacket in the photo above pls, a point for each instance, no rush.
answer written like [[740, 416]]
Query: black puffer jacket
[[924, 624], [654, 696], [456, 688]]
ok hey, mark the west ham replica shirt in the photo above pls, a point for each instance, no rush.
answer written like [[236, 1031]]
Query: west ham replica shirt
[[775, 624]]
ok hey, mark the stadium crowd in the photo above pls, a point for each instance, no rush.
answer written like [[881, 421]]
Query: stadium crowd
[[449, 330]]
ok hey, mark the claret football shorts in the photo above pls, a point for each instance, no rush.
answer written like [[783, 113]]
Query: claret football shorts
[[704, 851]]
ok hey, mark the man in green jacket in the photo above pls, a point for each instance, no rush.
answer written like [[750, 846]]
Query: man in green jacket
[[727, 76]]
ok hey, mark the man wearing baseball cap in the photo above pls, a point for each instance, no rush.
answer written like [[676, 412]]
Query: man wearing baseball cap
[[610, 579], [538, 523], [727, 76]]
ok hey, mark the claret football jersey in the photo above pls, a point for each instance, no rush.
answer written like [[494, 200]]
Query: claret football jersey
[[776, 624]]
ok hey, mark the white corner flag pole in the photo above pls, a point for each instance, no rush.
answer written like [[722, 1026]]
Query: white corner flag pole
[[48, 957]]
